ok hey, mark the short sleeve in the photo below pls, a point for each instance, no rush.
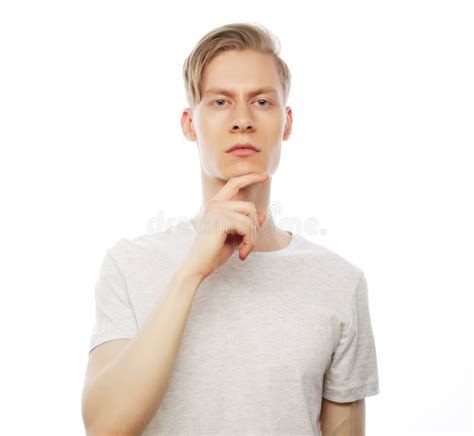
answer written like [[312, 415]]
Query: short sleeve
[[352, 373], [115, 318]]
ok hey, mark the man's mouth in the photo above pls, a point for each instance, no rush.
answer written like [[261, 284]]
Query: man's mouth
[[242, 152], [246, 146]]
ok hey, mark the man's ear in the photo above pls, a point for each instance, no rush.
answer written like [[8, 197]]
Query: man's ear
[[187, 124], [289, 123]]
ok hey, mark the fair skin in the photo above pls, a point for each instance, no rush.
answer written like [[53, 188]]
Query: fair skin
[[342, 419], [219, 121]]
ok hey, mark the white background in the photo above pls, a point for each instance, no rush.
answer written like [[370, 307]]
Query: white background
[[92, 151]]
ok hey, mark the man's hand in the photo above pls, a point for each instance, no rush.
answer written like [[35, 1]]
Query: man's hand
[[226, 225]]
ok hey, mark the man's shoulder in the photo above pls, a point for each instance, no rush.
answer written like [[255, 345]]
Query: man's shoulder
[[321, 255], [144, 245]]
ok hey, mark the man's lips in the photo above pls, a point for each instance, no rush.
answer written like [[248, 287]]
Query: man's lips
[[242, 152], [247, 146]]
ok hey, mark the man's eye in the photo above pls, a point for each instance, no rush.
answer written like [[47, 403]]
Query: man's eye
[[215, 101]]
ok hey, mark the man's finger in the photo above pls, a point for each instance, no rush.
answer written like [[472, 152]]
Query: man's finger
[[234, 184]]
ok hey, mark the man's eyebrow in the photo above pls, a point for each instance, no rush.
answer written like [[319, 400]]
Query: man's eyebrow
[[264, 90]]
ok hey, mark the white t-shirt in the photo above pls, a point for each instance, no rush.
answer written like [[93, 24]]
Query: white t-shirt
[[265, 340]]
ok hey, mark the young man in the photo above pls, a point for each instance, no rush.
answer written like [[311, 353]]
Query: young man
[[226, 324]]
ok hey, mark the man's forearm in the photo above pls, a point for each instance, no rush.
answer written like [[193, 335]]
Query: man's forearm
[[125, 395]]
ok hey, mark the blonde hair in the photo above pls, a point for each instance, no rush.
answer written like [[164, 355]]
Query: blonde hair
[[235, 36]]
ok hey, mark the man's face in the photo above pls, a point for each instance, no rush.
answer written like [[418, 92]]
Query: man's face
[[221, 119]]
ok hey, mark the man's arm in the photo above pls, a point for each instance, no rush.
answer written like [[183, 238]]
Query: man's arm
[[342, 419], [122, 397]]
